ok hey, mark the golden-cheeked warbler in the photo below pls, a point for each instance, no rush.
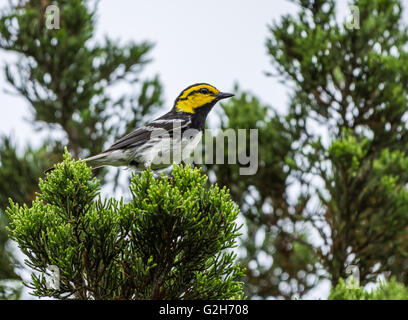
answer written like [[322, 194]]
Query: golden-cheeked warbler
[[168, 139]]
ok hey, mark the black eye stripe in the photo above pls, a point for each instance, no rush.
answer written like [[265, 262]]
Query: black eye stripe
[[195, 92]]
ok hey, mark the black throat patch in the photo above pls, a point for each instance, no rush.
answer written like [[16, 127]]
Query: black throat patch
[[200, 115]]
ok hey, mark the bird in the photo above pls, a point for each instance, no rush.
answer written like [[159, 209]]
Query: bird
[[168, 139]]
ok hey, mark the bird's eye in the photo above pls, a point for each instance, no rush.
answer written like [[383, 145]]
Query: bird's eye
[[204, 91]]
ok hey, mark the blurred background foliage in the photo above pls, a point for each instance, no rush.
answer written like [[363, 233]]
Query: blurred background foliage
[[330, 189]]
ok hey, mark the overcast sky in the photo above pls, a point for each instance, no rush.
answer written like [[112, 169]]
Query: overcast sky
[[219, 42]]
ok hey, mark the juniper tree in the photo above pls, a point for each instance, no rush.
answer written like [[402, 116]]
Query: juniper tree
[[173, 240], [17, 178], [66, 77], [343, 143]]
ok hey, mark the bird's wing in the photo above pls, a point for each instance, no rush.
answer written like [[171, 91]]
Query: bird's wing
[[157, 128]]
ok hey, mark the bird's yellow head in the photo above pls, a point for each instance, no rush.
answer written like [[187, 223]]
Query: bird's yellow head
[[198, 95]]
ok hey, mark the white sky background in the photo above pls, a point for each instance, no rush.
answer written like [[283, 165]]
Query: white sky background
[[219, 42]]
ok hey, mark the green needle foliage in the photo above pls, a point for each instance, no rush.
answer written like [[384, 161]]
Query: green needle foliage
[[18, 178], [350, 83], [388, 290], [173, 240]]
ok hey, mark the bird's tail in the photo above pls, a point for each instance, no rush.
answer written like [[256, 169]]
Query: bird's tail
[[95, 162]]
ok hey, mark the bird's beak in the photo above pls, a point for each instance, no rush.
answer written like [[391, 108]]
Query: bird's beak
[[223, 95]]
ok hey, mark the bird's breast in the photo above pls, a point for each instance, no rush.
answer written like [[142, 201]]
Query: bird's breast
[[166, 151]]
